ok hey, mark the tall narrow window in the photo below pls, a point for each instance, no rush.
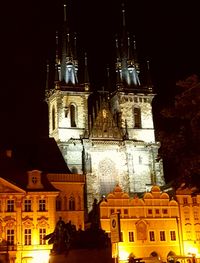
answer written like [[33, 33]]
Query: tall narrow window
[[131, 236], [10, 236], [137, 117], [73, 115], [173, 235], [10, 205], [42, 205], [71, 204], [162, 235], [27, 205], [151, 235], [185, 200], [42, 234], [53, 119], [27, 237]]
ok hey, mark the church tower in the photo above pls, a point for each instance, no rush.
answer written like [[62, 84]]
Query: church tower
[[68, 99], [107, 135]]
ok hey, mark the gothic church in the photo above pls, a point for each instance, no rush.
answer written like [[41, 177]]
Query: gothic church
[[108, 137]]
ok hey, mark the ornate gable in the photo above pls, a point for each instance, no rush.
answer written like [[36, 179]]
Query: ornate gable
[[7, 187], [104, 126]]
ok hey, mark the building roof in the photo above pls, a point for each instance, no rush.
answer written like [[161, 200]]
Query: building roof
[[43, 155]]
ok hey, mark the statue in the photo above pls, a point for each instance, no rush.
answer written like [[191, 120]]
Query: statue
[[94, 216], [61, 237]]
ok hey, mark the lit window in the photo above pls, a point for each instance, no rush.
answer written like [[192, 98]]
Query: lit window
[[10, 205], [151, 235], [131, 236], [173, 235], [42, 234], [10, 236], [194, 200], [27, 237], [27, 205], [185, 200], [162, 235], [42, 205]]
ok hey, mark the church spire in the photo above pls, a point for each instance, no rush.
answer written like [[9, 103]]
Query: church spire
[[127, 68], [149, 81], [69, 63], [86, 74]]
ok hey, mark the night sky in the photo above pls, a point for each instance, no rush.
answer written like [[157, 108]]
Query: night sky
[[166, 34]]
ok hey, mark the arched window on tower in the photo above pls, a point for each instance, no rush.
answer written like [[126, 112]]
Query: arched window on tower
[[71, 203], [53, 119], [73, 115], [137, 117]]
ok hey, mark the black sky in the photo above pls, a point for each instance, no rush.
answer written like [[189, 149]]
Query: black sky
[[166, 34]]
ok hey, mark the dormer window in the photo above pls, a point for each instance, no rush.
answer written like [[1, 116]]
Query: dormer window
[[34, 180]]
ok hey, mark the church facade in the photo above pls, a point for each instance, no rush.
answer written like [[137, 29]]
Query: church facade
[[106, 135]]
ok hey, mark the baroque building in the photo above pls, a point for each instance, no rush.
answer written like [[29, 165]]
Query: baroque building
[[156, 227], [35, 191], [106, 135]]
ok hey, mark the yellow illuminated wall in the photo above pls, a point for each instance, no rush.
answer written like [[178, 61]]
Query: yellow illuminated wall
[[152, 225], [27, 215]]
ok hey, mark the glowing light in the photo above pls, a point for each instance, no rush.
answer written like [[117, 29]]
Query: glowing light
[[192, 251], [123, 255], [40, 256]]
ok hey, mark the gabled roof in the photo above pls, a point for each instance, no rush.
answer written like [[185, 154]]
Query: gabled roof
[[43, 155], [104, 125]]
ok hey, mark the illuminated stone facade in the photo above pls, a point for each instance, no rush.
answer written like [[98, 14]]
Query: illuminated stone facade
[[154, 226], [106, 135], [30, 211]]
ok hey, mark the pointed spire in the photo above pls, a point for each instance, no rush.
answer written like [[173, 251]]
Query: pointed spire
[[57, 61], [123, 15], [65, 12], [149, 81], [75, 46], [86, 75], [135, 54]]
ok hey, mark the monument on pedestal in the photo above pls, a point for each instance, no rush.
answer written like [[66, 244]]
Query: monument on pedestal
[[75, 246]]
